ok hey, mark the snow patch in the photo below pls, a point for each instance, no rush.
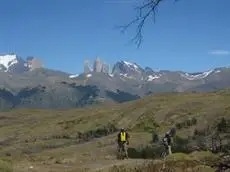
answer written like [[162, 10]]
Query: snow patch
[[74, 76], [89, 75], [111, 75], [126, 76], [131, 64], [198, 76], [217, 71], [8, 60], [151, 77]]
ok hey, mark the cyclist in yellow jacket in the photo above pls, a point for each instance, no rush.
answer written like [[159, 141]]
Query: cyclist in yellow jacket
[[123, 140]]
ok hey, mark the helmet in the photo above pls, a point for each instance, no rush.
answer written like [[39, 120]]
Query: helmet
[[122, 129]]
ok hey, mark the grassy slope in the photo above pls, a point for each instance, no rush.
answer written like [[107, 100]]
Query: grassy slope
[[20, 129]]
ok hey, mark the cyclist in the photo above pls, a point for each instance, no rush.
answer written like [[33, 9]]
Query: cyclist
[[123, 141], [167, 140]]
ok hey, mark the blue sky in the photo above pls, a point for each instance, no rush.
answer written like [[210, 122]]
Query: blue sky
[[190, 35]]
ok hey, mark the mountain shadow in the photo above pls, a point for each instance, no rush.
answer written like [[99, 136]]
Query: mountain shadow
[[121, 96], [7, 100], [87, 94]]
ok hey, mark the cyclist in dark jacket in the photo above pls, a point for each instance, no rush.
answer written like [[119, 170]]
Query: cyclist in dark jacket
[[167, 140]]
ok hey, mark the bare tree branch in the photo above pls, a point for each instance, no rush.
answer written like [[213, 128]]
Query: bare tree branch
[[144, 11]]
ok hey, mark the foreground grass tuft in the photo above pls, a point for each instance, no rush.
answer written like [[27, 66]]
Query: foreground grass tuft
[[6, 166], [178, 162]]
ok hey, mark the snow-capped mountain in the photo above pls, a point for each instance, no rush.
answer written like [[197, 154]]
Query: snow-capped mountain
[[147, 80], [13, 64], [149, 71], [127, 81], [128, 70], [196, 76], [7, 62]]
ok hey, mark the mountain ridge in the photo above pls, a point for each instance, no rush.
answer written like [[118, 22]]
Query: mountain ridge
[[40, 87], [14, 64]]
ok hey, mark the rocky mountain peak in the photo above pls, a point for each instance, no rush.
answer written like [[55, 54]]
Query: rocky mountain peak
[[14, 64], [127, 69]]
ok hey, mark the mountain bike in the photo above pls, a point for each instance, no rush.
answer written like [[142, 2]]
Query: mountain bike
[[164, 153], [121, 151], [163, 156]]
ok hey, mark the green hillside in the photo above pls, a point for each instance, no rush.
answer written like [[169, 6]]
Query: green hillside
[[58, 140]]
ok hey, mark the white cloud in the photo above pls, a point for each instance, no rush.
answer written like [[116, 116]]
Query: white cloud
[[220, 52]]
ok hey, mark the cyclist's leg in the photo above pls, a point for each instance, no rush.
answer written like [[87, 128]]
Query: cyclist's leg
[[126, 149], [119, 150], [163, 154], [165, 151], [122, 150], [169, 150]]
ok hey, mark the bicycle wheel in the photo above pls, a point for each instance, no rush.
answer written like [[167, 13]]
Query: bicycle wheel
[[119, 153], [163, 154], [122, 152]]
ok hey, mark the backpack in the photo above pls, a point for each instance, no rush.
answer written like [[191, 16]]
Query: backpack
[[173, 132]]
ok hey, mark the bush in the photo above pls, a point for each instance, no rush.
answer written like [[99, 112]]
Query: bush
[[180, 145], [187, 123], [148, 125], [146, 152], [6, 166], [201, 132], [222, 126], [155, 138], [97, 133], [178, 126], [194, 121]]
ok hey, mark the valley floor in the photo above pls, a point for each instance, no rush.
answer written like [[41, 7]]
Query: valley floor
[[91, 156], [74, 140]]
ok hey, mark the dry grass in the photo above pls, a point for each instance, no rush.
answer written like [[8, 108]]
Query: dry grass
[[48, 139], [6, 166], [177, 162]]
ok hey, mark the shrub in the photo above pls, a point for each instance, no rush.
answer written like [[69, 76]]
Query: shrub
[[194, 121], [155, 137], [146, 152], [6, 166], [178, 126], [180, 145], [186, 124], [222, 126]]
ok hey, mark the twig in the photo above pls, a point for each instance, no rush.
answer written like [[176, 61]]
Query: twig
[[144, 11]]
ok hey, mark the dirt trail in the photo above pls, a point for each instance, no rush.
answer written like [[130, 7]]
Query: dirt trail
[[105, 166], [93, 166]]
